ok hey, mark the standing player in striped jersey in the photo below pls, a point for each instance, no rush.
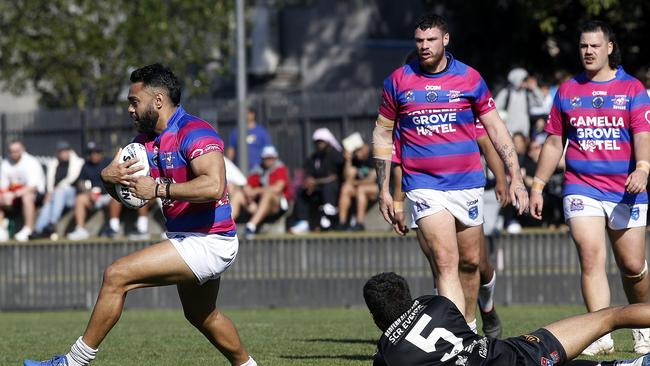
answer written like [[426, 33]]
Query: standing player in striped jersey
[[433, 102], [186, 159], [491, 322], [604, 113]]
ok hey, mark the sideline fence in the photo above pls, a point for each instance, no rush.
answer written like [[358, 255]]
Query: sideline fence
[[292, 271]]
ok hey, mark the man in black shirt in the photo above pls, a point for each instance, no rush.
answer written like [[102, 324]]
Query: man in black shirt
[[430, 330]]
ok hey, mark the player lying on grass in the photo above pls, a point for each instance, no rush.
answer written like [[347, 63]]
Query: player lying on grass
[[431, 330]]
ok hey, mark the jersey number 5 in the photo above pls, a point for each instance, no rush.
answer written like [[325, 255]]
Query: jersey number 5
[[428, 344]]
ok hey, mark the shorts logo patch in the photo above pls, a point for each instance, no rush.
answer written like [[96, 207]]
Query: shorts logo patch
[[421, 206], [555, 356], [546, 362], [531, 338], [473, 212], [576, 205], [634, 213]]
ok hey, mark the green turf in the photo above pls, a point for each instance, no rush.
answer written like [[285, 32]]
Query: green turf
[[281, 337]]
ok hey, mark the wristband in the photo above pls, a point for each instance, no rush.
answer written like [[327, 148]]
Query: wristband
[[168, 194], [398, 206], [643, 165], [538, 185], [155, 193]]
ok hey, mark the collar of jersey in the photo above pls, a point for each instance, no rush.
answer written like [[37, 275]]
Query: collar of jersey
[[172, 124], [450, 64], [617, 76]]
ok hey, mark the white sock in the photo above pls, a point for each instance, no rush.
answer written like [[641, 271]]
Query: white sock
[[250, 362], [251, 227], [80, 354], [114, 223], [142, 225], [486, 294], [472, 326]]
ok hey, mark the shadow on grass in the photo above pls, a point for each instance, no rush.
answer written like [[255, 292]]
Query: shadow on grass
[[340, 340], [330, 357]]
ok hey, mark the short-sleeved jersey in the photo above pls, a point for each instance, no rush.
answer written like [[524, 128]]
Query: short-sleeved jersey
[[433, 332], [278, 172], [170, 153], [434, 115], [599, 119]]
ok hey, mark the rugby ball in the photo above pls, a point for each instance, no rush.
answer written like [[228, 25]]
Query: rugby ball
[[132, 151]]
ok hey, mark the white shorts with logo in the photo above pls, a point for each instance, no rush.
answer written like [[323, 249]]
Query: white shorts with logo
[[619, 215], [207, 255], [466, 205]]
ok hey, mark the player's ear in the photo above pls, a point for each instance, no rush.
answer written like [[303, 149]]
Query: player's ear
[[445, 39], [159, 100], [610, 47]]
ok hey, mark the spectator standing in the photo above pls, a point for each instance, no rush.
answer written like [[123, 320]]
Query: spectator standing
[[61, 175], [267, 191], [320, 186], [360, 184], [516, 100], [256, 139], [22, 184]]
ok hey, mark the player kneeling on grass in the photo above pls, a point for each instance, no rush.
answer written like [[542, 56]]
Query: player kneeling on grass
[[431, 330], [186, 158]]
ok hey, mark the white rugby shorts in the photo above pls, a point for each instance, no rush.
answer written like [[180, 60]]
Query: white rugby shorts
[[207, 255], [466, 205], [619, 215]]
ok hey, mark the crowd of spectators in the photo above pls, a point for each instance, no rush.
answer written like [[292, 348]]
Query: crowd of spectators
[[333, 190]]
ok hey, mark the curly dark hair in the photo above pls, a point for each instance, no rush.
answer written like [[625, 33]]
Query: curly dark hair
[[431, 20], [159, 76], [591, 26], [387, 296]]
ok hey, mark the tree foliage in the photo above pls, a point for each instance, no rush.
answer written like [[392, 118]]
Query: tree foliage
[[79, 53]]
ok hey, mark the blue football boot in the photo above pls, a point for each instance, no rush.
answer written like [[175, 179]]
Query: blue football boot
[[55, 361]]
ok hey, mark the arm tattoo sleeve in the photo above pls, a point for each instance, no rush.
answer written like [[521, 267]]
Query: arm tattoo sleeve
[[380, 167], [507, 154]]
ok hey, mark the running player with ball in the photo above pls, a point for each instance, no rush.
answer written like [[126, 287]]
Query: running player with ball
[[185, 157]]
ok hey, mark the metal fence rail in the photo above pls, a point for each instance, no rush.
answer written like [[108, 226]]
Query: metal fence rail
[[309, 271]]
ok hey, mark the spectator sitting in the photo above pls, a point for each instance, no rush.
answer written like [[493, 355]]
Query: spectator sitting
[[267, 191], [360, 184], [91, 193], [320, 186], [61, 175], [256, 139], [22, 183]]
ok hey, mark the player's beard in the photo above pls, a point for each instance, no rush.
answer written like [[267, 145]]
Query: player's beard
[[430, 64], [146, 123]]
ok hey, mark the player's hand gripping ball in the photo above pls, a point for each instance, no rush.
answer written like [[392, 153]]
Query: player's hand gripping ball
[[132, 151]]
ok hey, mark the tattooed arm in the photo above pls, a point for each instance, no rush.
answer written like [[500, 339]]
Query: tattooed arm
[[502, 142], [382, 140]]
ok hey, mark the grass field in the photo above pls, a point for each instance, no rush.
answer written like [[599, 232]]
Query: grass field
[[276, 337]]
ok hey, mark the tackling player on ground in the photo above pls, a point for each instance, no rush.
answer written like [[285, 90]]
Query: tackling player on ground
[[604, 113], [433, 103], [187, 173], [430, 330]]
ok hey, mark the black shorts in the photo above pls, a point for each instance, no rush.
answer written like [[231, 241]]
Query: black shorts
[[537, 348]]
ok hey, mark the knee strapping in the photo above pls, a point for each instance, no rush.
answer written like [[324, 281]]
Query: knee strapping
[[640, 275]]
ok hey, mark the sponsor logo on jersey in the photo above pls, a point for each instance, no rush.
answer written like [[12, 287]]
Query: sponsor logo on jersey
[[432, 87], [634, 213], [410, 96], [576, 204], [473, 212], [647, 116], [598, 102], [576, 102], [619, 101], [169, 159], [546, 361], [531, 338], [454, 96], [598, 92], [431, 96]]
